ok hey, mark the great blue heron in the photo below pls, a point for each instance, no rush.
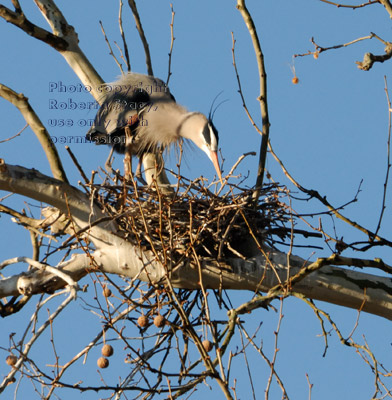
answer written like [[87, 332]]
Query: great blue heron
[[139, 115]]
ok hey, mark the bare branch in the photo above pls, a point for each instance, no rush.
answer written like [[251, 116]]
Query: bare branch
[[78, 166], [59, 194], [55, 271], [35, 336], [120, 24], [72, 53], [33, 225], [31, 222], [262, 97], [323, 200], [383, 207], [169, 73], [316, 280], [18, 19], [63, 39], [22, 103], [110, 48], [319, 49], [240, 88], [139, 27], [202, 243], [16, 135], [388, 6], [338, 5], [369, 59]]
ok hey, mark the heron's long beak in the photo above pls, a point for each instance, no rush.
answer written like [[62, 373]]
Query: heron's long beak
[[214, 159]]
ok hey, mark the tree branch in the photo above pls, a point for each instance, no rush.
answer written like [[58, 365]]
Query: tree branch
[[143, 38], [72, 53], [23, 105], [169, 73], [369, 59], [18, 19], [262, 97], [69, 200], [338, 5], [388, 6], [64, 39], [126, 52], [114, 255]]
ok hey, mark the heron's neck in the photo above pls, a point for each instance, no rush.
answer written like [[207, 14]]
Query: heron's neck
[[162, 124], [190, 123]]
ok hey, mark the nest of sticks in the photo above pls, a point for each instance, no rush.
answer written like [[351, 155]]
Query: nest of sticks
[[193, 218]]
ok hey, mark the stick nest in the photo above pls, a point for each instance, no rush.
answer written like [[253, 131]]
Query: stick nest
[[195, 218]]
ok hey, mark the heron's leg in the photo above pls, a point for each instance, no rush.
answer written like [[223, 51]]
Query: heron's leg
[[108, 163], [128, 153], [138, 172]]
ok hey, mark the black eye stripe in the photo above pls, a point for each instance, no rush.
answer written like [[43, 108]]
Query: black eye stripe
[[208, 130], [215, 131], [207, 134]]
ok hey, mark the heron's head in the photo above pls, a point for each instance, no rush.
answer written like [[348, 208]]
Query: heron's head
[[203, 133]]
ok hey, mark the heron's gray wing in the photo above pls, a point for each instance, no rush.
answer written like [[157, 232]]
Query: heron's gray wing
[[117, 111]]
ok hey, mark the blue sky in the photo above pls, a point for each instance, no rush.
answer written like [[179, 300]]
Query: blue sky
[[330, 130]]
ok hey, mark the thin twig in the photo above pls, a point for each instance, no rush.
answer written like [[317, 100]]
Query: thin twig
[[78, 166], [13, 137], [247, 365], [310, 386], [240, 87], [34, 338], [315, 309], [351, 6], [120, 24], [230, 174], [110, 48], [319, 49], [169, 73], [260, 351], [358, 315], [384, 196], [276, 349], [323, 200], [143, 38]]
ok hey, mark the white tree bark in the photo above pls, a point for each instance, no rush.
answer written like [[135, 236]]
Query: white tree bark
[[114, 255], [73, 54]]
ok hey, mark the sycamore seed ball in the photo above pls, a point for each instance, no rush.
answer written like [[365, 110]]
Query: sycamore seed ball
[[107, 350], [142, 321], [107, 292], [103, 362], [207, 345], [295, 80], [159, 321], [11, 360]]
